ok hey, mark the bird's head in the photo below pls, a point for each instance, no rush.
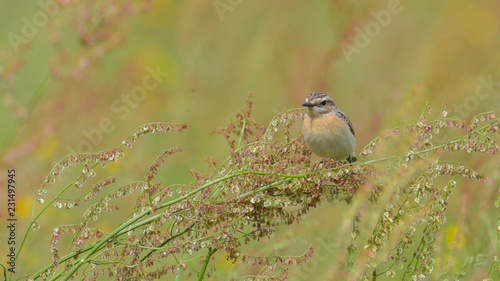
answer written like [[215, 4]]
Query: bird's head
[[319, 104]]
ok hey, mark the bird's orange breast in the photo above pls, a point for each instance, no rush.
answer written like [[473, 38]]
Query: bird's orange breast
[[329, 136]]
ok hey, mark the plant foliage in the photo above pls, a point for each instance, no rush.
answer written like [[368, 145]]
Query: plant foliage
[[397, 194]]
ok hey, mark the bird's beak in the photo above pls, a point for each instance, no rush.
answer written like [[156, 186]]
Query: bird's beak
[[308, 104]]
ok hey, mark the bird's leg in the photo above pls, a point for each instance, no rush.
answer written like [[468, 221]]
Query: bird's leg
[[351, 159]]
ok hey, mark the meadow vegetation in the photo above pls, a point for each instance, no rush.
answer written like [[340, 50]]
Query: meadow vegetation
[[113, 113]]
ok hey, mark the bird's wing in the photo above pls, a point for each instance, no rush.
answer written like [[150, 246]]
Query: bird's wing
[[344, 117]]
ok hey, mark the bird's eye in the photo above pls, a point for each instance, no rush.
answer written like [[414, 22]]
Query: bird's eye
[[323, 102]]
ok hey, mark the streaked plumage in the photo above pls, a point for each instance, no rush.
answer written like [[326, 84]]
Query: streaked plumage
[[327, 129]]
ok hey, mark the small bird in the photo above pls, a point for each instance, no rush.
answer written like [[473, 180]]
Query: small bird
[[327, 129]]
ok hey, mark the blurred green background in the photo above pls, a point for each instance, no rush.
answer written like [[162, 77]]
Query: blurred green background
[[382, 61]]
